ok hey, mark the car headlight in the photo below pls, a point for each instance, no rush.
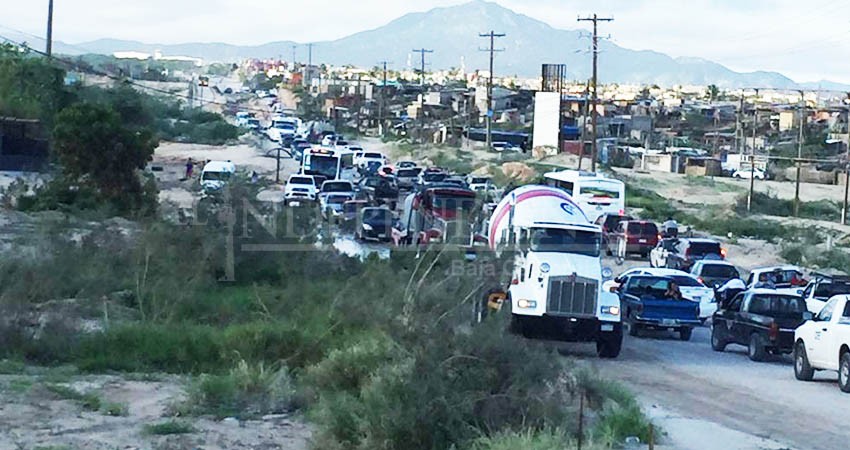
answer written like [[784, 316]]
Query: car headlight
[[527, 304], [367, 227], [544, 268], [611, 310]]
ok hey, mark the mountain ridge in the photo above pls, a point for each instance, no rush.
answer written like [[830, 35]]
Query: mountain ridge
[[452, 32]]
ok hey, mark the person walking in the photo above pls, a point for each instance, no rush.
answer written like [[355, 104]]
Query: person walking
[[190, 167]]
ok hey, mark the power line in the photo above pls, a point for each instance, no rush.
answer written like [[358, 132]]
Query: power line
[[492, 35], [595, 99], [422, 52]]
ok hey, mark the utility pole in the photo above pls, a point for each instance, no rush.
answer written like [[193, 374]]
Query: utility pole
[[753, 153], [583, 125], [799, 154], [49, 49], [490, 110], [294, 46], [422, 52], [595, 99], [381, 104], [846, 168], [308, 74]]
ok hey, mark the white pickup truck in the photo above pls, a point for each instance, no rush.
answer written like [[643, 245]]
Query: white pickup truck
[[823, 343]]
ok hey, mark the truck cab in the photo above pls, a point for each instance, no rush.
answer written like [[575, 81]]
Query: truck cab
[[556, 286], [822, 288], [823, 343]]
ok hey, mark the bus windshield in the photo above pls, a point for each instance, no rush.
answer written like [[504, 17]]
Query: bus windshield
[[323, 165], [554, 240]]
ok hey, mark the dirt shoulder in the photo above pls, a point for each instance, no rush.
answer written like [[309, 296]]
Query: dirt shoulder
[[34, 416]]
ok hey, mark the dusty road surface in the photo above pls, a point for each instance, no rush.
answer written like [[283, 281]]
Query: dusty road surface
[[727, 389]]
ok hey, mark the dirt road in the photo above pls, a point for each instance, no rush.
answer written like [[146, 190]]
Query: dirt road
[[761, 399]]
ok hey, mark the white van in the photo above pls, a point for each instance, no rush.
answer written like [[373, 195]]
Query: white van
[[216, 174]]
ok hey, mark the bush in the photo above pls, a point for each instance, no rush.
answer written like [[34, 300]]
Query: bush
[[247, 390], [168, 428], [771, 205], [526, 440]]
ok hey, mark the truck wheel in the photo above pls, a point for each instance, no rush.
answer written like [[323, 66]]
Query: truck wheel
[[803, 371], [610, 345], [685, 334], [717, 343], [634, 329], [844, 372], [755, 349]]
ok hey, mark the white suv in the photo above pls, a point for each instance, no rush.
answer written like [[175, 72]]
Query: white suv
[[300, 188], [366, 157]]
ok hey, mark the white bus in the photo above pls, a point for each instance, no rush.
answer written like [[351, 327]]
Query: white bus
[[594, 193], [331, 163]]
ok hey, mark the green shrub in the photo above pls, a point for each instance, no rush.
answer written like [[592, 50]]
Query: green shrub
[[115, 409], [168, 428], [525, 440], [247, 390]]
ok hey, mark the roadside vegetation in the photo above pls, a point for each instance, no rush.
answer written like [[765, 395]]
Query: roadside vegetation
[[377, 354], [101, 138]]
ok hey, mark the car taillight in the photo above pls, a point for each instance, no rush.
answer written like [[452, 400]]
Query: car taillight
[[515, 281], [700, 280], [773, 331], [622, 212], [723, 252]]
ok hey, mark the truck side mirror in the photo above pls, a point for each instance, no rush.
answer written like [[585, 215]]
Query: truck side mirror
[[808, 316]]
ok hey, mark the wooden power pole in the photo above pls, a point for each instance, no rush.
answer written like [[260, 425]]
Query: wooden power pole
[[595, 98], [422, 53], [49, 49], [490, 110]]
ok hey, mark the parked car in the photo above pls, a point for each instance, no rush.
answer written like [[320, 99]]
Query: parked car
[[406, 164], [336, 187], [689, 285], [430, 176], [609, 224], [761, 320], [785, 279], [746, 174], [479, 183], [300, 189], [366, 157], [686, 252], [407, 177], [633, 236], [332, 205], [822, 288], [646, 305], [350, 213], [380, 189], [375, 224], [714, 273], [823, 343]]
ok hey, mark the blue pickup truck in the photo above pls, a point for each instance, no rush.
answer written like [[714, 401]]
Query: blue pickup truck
[[648, 302]]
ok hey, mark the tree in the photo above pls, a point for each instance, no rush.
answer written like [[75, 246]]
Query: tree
[[30, 87], [94, 148], [712, 92]]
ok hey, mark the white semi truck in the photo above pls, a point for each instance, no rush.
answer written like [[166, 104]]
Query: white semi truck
[[556, 287]]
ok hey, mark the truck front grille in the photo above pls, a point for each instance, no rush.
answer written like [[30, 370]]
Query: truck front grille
[[572, 296]]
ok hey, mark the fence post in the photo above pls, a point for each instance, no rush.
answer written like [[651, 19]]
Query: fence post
[[580, 419]]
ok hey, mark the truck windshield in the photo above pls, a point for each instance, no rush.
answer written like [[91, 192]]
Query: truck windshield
[[565, 241], [340, 186], [324, 165], [216, 176]]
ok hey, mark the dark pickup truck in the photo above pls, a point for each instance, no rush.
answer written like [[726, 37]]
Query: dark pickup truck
[[646, 304], [760, 319]]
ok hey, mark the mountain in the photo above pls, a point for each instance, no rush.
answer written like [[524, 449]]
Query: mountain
[[452, 32]]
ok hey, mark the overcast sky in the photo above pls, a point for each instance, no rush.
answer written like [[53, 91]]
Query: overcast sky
[[807, 40]]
